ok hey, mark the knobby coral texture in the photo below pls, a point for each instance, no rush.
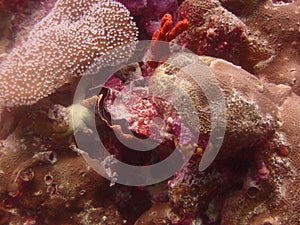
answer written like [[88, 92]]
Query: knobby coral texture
[[48, 46], [74, 35]]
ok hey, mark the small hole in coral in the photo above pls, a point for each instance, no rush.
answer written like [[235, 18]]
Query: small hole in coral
[[52, 157], [153, 214], [27, 175], [82, 192], [252, 192], [48, 179], [267, 223]]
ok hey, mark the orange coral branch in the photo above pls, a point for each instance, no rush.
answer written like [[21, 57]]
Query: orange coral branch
[[178, 29], [165, 26], [165, 33]]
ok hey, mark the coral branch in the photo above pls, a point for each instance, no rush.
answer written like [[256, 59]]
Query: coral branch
[[165, 33]]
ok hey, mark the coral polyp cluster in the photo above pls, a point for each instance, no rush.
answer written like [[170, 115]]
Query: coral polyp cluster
[[65, 43], [87, 139]]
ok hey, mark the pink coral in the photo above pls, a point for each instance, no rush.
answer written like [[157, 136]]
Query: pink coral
[[66, 42]]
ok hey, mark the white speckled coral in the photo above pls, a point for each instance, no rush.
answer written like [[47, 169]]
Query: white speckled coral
[[74, 35]]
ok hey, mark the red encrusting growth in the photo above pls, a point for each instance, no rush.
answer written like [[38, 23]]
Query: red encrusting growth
[[213, 31], [284, 151], [166, 32]]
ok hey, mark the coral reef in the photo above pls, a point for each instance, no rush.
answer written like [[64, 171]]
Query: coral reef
[[275, 26], [44, 171], [190, 191], [254, 111], [55, 51], [48, 47]]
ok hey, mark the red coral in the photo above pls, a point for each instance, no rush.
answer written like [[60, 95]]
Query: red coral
[[165, 33]]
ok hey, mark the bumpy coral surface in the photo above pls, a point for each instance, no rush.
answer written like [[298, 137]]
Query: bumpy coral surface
[[66, 42], [250, 47], [213, 30], [275, 34]]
